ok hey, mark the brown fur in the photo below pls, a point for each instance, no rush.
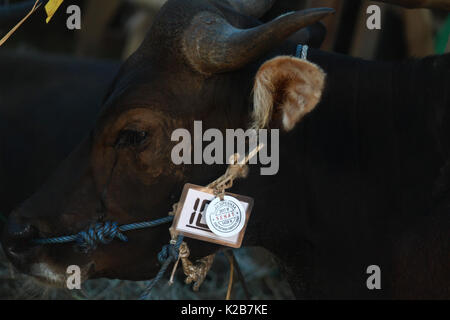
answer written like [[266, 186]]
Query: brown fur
[[286, 89]]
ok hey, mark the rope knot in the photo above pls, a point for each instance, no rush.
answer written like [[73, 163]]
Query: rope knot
[[99, 233], [235, 170], [184, 251], [171, 251], [168, 254]]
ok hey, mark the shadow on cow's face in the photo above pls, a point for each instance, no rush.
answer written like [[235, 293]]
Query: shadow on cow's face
[[123, 172]]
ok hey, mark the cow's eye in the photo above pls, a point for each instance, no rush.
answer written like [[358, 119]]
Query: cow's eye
[[131, 138]]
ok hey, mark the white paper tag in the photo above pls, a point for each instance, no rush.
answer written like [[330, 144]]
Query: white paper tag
[[228, 218], [225, 217]]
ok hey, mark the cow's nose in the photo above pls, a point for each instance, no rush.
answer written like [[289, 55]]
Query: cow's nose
[[17, 241]]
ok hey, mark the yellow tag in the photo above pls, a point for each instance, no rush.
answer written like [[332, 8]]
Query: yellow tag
[[51, 7]]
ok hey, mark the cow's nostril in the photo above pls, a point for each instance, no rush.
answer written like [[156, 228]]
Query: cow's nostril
[[17, 242], [20, 231], [16, 230]]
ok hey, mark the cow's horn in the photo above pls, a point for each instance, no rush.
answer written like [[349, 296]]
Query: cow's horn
[[254, 8], [212, 45]]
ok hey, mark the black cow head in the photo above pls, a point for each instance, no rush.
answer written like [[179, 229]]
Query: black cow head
[[200, 61]]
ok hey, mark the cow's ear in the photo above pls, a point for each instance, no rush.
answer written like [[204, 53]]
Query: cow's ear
[[286, 88]]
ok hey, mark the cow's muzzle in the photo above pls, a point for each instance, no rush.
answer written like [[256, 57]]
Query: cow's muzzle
[[17, 243]]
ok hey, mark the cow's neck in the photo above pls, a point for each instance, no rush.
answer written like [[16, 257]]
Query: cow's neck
[[348, 171], [348, 168]]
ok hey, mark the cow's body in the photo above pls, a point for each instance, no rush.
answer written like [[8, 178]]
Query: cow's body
[[356, 179], [358, 183]]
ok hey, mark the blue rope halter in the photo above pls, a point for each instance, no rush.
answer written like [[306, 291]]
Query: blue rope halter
[[166, 256], [102, 233], [106, 232]]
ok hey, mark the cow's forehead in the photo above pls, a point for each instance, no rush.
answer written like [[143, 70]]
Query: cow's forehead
[[151, 97]]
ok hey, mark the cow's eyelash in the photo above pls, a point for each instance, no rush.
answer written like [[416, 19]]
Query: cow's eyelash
[[131, 138]]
